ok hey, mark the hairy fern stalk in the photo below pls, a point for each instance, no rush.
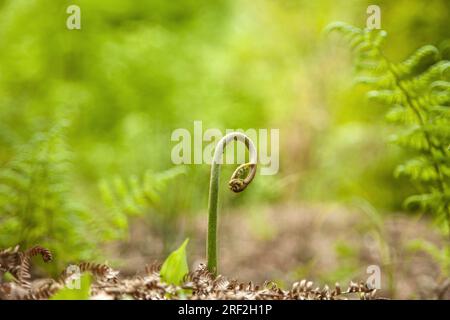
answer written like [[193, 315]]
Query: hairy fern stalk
[[417, 91]]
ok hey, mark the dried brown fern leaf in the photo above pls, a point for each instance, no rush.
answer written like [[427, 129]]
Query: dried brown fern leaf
[[23, 274], [199, 284], [38, 250], [153, 269], [12, 291], [42, 292], [102, 272], [10, 260]]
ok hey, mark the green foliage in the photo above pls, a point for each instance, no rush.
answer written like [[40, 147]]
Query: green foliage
[[137, 70], [417, 92], [82, 293], [135, 195], [7, 276], [175, 267], [149, 196], [37, 204]]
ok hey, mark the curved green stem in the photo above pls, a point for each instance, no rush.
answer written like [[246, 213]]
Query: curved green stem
[[238, 182]]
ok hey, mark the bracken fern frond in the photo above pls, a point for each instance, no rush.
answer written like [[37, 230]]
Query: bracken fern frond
[[418, 93]]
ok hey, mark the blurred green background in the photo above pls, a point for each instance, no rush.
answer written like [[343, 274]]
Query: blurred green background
[[137, 70]]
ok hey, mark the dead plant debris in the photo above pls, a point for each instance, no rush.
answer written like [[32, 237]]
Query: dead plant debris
[[198, 285]]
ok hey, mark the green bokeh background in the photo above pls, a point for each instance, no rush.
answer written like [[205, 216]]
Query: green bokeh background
[[137, 70]]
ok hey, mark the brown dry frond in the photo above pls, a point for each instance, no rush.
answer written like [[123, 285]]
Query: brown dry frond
[[18, 264], [101, 271], [10, 260], [199, 284], [38, 250]]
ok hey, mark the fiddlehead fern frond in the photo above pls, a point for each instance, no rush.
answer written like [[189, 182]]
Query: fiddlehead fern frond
[[240, 179]]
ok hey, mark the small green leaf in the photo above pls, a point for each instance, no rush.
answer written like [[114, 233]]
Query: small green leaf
[[8, 277], [175, 267], [81, 293]]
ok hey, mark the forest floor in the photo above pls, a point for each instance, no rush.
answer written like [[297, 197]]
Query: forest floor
[[291, 242]]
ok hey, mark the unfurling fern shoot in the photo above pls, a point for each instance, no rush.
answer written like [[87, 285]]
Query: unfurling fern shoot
[[240, 179], [418, 93]]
